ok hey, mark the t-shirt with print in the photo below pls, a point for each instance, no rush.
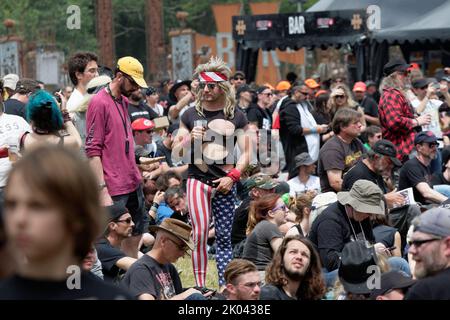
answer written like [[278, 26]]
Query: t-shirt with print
[[141, 111], [239, 121], [147, 276], [11, 129], [257, 247], [337, 155], [412, 173], [109, 255]]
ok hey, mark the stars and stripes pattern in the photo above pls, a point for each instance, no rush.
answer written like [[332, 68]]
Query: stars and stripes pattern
[[201, 205]]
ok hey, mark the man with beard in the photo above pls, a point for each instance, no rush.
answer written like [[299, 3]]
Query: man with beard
[[377, 166], [138, 109], [430, 249], [416, 173], [396, 114], [294, 273], [110, 146]]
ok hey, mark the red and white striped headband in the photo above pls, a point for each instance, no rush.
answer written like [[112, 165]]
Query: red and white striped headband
[[212, 77]]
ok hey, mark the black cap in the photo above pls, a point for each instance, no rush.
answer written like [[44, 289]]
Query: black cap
[[395, 65], [392, 280], [387, 148], [370, 83], [421, 82], [116, 211], [425, 136], [356, 258], [174, 88]]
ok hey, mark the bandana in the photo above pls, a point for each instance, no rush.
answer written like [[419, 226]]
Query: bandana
[[212, 77]]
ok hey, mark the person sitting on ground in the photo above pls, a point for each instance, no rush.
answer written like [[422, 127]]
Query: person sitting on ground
[[302, 210], [305, 180], [263, 234], [430, 249], [416, 172], [357, 264], [153, 276], [373, 134], [346, 220], [114, 261], [242, 280], [257, 186], [295, 272], [393, 286]]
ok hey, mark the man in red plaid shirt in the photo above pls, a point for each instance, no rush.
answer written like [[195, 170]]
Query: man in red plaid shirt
[[396, 114]]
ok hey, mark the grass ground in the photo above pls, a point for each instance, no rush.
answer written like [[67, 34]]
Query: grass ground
[[187, 274]]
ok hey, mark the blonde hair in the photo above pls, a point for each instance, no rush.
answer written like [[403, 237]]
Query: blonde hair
[[216, 64], [331, 104]]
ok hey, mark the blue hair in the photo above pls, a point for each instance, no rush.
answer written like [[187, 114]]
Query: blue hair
[[43, 111]]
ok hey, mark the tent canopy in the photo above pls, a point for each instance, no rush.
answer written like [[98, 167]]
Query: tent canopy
[[414, 25], [401, 21]]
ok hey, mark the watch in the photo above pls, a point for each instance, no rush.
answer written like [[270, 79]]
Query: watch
[[101, 186]]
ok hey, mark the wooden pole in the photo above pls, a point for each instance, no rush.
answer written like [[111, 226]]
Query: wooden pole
[[105, 33]]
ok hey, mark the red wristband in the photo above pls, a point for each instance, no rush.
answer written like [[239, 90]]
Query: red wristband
[[234, 174]]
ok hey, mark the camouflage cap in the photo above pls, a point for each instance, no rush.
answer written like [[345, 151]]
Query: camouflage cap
[[261, 181]]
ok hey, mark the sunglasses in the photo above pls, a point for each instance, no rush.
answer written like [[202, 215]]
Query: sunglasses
[[269, 94], [149, 131], [127, 220], [432, 144], [340, 97], [210, 85], [418, 243], [239, 78], [445, 113], [304, 93], [283, 207], [132, 82]]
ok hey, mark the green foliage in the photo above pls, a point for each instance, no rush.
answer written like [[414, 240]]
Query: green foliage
[[43, 23]]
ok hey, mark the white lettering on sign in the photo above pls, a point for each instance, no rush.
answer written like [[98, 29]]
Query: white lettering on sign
[[374, 17], [297, 25]]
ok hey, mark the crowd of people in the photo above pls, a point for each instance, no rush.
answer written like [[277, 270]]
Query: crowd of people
[[307, 190]]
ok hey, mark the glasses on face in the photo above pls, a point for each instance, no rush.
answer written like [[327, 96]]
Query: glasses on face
[[269, 94], [239, 78], [127, 220], [432, 145], [445, 113], [418, 243], [210, 85], [304, 93], [340, 97], [181, 247], [132, 82], [149, 131], [282, 207]]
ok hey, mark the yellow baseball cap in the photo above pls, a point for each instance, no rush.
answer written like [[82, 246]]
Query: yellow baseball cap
[[134, 69]]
